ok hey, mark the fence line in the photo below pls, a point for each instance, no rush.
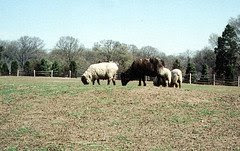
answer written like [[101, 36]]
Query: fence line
[[35, 73], [215, 81], [70, 73], [190, 78], [203, 80], [238, 81]]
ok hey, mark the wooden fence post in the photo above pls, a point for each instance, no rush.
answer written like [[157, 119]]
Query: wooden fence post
[[214, 79], [238, 81], [70, 73], [190, 78], [17, 73], [34, 73], [51, 73]]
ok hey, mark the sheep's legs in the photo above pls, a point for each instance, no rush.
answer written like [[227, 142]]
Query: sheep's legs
[[98, 81], [167, 84], [113, 80], [143, 79], [139, 84], [180, 84]]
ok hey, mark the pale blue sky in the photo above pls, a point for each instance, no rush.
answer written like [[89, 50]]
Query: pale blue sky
[[172, 26]]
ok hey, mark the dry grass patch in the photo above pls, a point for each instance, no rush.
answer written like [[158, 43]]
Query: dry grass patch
[[62, 114]]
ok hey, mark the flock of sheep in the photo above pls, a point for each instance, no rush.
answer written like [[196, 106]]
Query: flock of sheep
[[140, 68]]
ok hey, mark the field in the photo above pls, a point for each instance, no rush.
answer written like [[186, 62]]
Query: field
[[63, 114]]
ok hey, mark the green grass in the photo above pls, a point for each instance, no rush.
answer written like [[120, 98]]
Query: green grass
[[63, 114], [207, 112]]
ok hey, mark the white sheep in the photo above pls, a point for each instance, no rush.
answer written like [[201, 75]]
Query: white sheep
[[176, 78], [164, 78], [104, 70]]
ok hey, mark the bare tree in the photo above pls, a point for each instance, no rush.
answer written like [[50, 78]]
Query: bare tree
[[105, 49], [11, 49], [149, 51], [122, 56], [68, 47], [135, 51], [213, 40], [235, 22], [204, 57], [28, 48], [2, 43], [109, 50]]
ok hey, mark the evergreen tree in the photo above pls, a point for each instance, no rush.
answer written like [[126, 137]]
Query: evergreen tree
[[56, 69], [226, 53], [230, 71], [190, 69], [204, 72], [44, 65], [176, 65], [14, 67], [0, 68], [37, 66], [1, 50], [5, 70], [73, 68], [26, 68]]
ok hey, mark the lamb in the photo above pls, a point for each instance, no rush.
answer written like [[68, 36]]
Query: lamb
[[176, 78], [164, 78], [104, 70]]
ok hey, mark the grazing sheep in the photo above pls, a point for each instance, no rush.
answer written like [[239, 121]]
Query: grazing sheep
[[157, 81], [164, 79], [141, 68], [176, 78], [104, 70]]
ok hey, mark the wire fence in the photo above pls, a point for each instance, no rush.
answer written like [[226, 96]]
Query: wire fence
[[212, 80], [50, 73], [189, 78]]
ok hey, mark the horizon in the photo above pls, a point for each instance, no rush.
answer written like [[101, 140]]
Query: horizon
[[172, 27]]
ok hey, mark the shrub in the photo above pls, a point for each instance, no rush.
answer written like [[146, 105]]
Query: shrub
[[190, 69], [5, 70], [14, 68], [27, 68], [73, 68], [176, 65], [56, 69]]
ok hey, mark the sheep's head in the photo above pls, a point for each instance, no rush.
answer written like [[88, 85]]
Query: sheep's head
[[124, 79], [171, 84], [86, 79], [158, 80]]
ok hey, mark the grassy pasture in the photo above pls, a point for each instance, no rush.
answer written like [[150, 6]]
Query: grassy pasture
[[62, 114]]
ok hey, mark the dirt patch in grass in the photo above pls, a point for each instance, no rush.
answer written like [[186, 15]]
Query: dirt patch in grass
[[72, 116]]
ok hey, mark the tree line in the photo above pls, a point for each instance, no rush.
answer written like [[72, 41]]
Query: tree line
[[221, 56]]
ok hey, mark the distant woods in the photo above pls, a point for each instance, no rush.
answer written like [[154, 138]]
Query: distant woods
[[221, 56]]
